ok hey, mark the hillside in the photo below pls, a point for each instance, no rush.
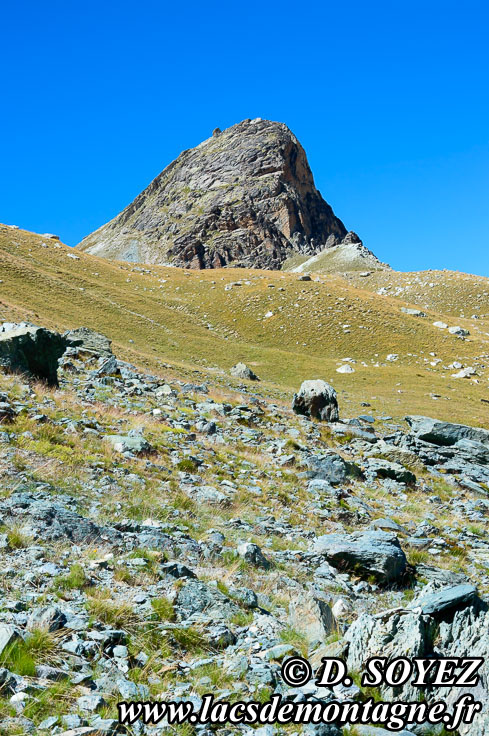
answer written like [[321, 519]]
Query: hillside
[[244, 197], [201, 323], [167, 530]]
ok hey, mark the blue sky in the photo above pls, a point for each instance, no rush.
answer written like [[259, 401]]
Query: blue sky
[[389, 99]]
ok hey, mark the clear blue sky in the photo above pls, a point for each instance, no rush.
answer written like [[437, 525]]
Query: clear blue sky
[[390, 100]]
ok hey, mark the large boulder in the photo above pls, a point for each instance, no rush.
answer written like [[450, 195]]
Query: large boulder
[[89, 340], [394, 633], [241, 370], [311, 615], [332, 468], [196, 598], [34, 351], [443, 602], [375, 554], [445, 433], [316, 399]]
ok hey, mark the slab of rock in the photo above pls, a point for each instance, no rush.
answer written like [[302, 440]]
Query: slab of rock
[[316, 399], [241, 370], [125, 443], [312, 616], [49, 618], [439, 603], [252, 554], [52, 522], [386, 469], [89, 340], [8, 635], [196, 597], [445, 433], [34, 351], [457, 330], [413, 312], [369, 553], [395, 633], [331, 468]]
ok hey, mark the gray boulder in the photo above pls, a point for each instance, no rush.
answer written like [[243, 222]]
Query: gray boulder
[[331, 468], [311, 615], [34, 351], [89, 340], [241, 370], [441, 603], [8, 635], [390, 634], [125, 443], [467, 636], [445, 433], [370, 553], [381, 468], [316, 399], [196, 597], [413, 312], [252, 554], [53, 522], [48, 619]]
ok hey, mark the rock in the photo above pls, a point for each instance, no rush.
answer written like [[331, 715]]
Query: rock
[[386, 469], [331, 468], [460, 331], [53, 522], [345, 369], [195, 597], [177, 570], [311, 615], [465, 373], [363, 432], [90, 703], [370, 553], [125, 443], [413, 312], [7, 414], [48, 619], [389, 634], [54, 674], [32, 350], [252, 554], [245, 197], [445, 433], [316, 399], [440, 603], [240, 370], [440, 325], [89, 340], [8, 635], [466, 636]]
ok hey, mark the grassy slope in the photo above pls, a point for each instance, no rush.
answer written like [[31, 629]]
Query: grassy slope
[[186, 322]]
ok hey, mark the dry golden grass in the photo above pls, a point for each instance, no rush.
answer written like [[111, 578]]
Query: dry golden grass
[[185, 324]]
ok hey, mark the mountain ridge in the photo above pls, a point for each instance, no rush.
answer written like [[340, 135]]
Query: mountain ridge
[[244, 197]]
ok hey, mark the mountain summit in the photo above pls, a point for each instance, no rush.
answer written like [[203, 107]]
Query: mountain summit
[[244, 197]]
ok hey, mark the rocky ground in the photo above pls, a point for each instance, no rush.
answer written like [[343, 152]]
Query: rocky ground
[[165, 540]]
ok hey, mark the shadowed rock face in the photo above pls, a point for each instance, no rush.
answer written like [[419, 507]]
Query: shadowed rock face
[[32, 350], [246, 197]]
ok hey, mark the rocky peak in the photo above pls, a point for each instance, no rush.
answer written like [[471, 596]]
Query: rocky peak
[[244, 197]]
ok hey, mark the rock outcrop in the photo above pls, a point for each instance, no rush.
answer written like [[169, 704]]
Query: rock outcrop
[[316, 399], [32, 350], [244, 197]]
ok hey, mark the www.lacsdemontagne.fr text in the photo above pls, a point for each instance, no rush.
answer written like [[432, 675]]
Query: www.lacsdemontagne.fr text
[[394, 716]]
